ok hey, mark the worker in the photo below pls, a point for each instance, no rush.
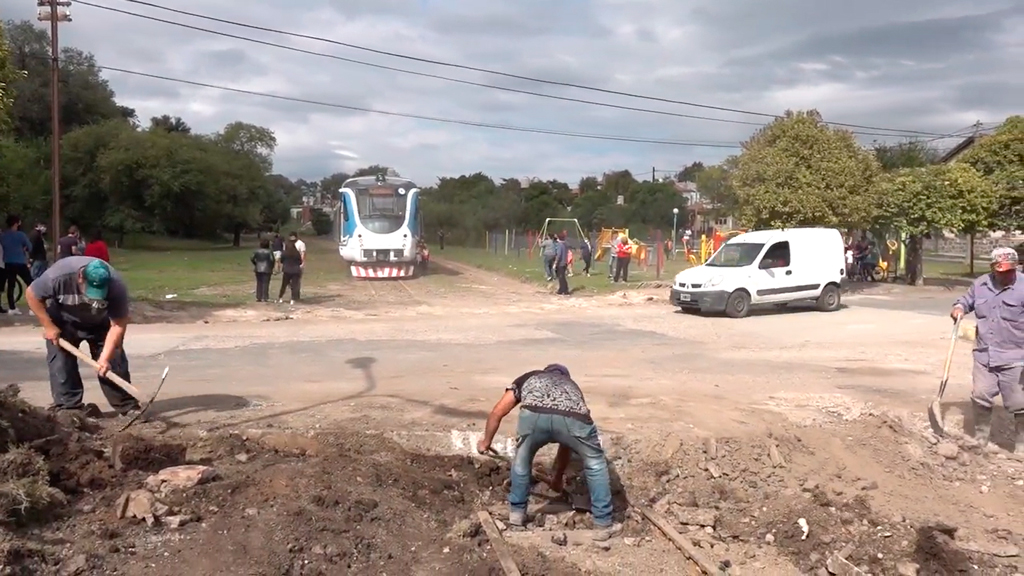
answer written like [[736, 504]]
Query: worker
[[562, 265], [553, 410], [80, 298], [622, 258], [997, 301]]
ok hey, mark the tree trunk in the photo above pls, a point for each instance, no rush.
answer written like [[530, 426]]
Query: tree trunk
[[236, 240], [915, 260]]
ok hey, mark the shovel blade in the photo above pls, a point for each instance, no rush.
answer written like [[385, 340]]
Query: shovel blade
[[935, 418]]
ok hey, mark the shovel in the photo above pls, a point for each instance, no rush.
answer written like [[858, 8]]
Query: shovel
[[935, 408], [118, 381]]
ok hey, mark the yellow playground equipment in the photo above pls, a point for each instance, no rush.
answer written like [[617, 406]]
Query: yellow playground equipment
[[604, 244]]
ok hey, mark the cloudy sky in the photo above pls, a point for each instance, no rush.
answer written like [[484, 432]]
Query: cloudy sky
[[935, 66]]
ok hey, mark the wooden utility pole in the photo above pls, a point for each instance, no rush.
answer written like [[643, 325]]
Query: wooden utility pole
[[54, 12]]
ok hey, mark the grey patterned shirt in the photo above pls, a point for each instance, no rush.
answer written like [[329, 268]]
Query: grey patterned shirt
[[551, 393]]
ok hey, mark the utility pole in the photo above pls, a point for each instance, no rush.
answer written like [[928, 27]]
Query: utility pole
[[54, 12], [653, 177]]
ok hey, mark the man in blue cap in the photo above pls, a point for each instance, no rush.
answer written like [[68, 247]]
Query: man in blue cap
[[80, 298], [553, 410]]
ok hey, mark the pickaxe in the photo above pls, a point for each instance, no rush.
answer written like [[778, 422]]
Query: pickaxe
[[118, 381]]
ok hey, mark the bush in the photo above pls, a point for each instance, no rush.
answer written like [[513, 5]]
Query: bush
[[322, 222]]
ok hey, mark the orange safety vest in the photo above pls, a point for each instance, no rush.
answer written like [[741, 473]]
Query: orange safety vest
[[624, 250]]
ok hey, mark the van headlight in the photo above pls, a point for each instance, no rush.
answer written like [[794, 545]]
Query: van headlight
[[715, 281]]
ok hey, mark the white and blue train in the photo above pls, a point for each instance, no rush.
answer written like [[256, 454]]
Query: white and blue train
[[380, 227]]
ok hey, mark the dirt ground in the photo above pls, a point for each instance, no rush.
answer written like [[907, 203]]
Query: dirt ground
[[333, 438]]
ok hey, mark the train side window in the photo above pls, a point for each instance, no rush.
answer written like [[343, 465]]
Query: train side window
[[344, 208]]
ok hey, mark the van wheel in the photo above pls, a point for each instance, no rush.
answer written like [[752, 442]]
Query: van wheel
[[829, 299], [738, 304]]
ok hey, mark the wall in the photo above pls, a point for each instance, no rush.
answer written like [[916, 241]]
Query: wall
[[958, 245]]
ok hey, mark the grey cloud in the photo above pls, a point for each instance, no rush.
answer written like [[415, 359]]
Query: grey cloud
[[228, 64]]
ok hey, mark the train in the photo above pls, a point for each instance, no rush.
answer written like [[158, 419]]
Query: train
[[380, 227]]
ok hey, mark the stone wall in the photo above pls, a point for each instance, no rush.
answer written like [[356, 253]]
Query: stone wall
[[951, 245]]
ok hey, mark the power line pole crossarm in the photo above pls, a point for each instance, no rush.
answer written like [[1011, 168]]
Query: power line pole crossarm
[[54, 12]]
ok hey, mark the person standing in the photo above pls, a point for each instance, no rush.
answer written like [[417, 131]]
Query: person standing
[[292, 263], [68, 245], [277, 247], [263, 266], [547, 252], [623, 255], [16, 248], [440, 238], [552, 409], [587, 255], [997, 301], [37, 254], [83, 299], [97, 248], [562, 265], [613, 255]]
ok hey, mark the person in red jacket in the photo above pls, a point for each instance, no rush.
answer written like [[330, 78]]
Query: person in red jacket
[[97, 248], [623, 254]]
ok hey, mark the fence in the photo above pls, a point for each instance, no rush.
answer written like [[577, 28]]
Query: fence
[[517, 244]]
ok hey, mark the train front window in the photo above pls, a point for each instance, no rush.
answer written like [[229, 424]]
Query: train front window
[[382, 207]]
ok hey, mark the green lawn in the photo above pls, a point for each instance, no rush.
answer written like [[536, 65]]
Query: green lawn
[[522, 267], [210, 273]]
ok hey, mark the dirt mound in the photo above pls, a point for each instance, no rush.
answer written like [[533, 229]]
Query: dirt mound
[[83, 499]]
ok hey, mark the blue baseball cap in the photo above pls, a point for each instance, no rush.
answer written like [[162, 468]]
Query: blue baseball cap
[[96, 276], [557, 368]]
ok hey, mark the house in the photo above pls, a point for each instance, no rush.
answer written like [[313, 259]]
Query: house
[[700, 213]]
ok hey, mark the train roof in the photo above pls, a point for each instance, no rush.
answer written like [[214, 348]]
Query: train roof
[[372, 181]]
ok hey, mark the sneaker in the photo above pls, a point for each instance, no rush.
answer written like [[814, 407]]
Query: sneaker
[[517, 518], [604, 533], [14, 312], [291, 302]]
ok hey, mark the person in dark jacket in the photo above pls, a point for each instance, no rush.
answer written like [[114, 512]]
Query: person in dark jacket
[[263, 266], [291, 269], [587, 255], [562, 265]]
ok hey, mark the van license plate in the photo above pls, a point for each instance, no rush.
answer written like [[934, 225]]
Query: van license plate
[[684, 297]]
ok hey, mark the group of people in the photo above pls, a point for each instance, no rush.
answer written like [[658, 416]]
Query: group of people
[[25, 257], [277, 255], [558, 259], [862, 257]]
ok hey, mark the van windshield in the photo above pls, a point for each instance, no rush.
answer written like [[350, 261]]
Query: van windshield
[[735, 255]]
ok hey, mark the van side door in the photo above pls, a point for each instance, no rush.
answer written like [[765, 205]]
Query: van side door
[[775, 279]]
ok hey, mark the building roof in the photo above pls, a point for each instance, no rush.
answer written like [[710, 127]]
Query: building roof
[[959, 149]]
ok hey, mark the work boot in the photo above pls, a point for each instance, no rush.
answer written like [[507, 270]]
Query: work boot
[[1018, 437], [605, 533], [517, 518], [982, 423]]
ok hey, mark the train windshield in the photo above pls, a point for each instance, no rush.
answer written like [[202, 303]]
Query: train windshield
[[382, 207]]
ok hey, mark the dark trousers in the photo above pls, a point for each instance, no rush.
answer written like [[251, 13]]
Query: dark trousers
[[11, 274], [262, 286], [622, 268], [440, 242], [292, 280], [66, 381], [563, 284], [586, 264]]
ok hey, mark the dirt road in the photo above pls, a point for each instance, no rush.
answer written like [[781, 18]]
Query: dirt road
[[841, 396]]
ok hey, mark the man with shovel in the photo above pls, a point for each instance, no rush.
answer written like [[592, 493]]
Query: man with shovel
[[80, 298], [553, 410], [997, 300]]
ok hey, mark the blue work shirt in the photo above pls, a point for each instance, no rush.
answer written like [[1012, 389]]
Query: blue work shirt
[[1000, 314], [15, 243], [561, 254]]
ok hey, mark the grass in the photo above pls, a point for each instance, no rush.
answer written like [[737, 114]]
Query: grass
[[211, 273], [531, 269]]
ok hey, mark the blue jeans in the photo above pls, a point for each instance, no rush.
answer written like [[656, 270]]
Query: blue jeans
[[549, 267], [38, 267], [534, 431]]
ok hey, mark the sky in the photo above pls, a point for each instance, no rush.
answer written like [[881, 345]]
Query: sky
[[935, 66]]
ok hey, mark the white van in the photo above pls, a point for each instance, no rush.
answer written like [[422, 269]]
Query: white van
[[766, 267]]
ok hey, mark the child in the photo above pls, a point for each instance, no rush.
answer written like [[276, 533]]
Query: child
[[263, 265]]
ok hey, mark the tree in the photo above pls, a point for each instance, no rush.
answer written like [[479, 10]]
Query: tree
[[799, 171], [322, 223], [169, 123], [1000, 158], [715, 186], [690, 173], [9, 76], [909, 154], [254, 141], [917, 201], [371, 170]]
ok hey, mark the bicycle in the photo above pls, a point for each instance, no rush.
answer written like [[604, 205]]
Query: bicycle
[[19, 289]]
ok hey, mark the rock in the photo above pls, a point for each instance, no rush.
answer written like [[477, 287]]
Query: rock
[[769, 538], [774, 456], [697, 516], [669, 476], [73, 566], [840, 567], [243, 457], [539, 520], [711, 447], [176, 521], [846, 551], [252, 512], [605, 546], [905, 568], [140, 504], [465, 529], [867, 485], [948, 450], [715, 471], [627, 541], [317, 549], [180, 477], [672, 445], [932, 439], [811, 485], [559, 539], [121, 507], [289, 443], [821, 572], [997, 549], [898, 519], [501, 525]]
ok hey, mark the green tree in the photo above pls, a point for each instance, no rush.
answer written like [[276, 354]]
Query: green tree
[[169, 123], [1000, 158], [715, 187], [9, 76], [909, 154], [799, 171], [917, 201], [322, 223], [691, 172], [371, 170]]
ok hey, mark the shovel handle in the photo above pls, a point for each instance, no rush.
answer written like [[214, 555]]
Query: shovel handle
[[949, 356], [110, 375]]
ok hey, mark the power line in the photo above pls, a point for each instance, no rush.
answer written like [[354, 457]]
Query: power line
[[889, 131], [638, 140]]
